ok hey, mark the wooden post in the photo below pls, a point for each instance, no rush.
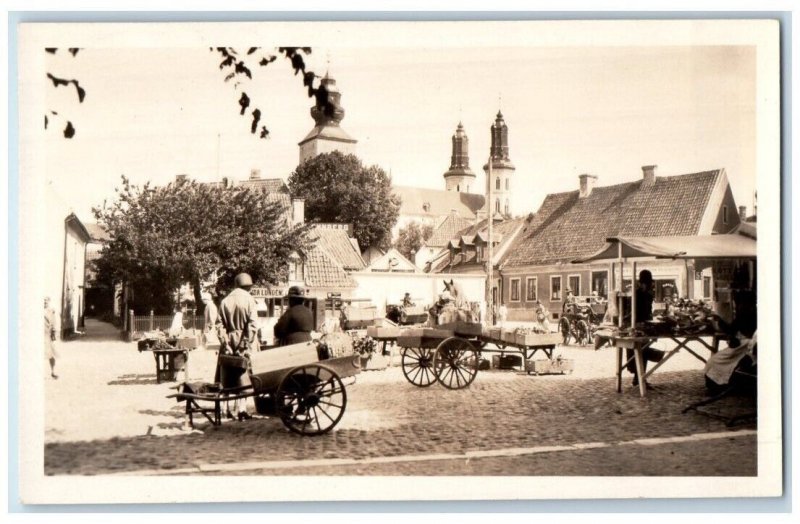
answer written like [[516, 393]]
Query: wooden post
[[620, 301], [490, 261], [151, 320], [130, 322], [633, 296]]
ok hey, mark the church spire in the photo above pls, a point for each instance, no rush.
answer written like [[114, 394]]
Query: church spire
[[459, 177]]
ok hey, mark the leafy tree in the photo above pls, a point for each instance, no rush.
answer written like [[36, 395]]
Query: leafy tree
[[237, 65], [339, 188], [411, 237], [163, 236]]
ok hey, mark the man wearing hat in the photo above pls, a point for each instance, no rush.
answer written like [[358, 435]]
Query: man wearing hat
[[644, 312], [237, 326], [297, 323]]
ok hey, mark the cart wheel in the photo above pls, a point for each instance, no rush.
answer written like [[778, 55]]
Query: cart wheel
[[456, 363], [563, 326], [311, 400], [418, 366], [582, 332]]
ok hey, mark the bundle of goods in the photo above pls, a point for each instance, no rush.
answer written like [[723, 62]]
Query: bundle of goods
[[684, 317], [335, 345]]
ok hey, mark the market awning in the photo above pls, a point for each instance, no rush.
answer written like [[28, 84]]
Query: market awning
[[674, 247]]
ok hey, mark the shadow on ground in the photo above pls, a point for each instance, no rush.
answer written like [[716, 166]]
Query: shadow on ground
[[134, 380], [523, 412]]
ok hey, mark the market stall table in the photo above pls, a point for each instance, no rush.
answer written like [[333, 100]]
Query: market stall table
[[639, 344]]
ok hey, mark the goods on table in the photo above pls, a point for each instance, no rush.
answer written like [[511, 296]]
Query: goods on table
[[335, 345], [383, 331], [530, 337], [684, 317]]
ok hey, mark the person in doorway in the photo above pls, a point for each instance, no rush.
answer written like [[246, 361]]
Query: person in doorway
[[297, 322], [644, 312], [407, 302], [50, 336], [237, 328]]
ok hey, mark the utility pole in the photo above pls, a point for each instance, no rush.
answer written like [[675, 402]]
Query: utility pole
[[490, 261]]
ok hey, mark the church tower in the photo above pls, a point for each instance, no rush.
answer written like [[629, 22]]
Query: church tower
[[502, 169], [327, 136], [459, 177]]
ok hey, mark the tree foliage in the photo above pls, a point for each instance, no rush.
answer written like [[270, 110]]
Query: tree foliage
[[411, 237], [339, 188], [69, 129], [238, 65], [161, 237]]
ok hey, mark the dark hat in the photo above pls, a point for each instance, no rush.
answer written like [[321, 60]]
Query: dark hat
[[646, 276], [296, 291], [243, 280]]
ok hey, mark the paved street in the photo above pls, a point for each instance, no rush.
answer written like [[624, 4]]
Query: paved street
[[106, 414]]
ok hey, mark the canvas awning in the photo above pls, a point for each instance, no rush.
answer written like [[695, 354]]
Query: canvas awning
[[677, 247]]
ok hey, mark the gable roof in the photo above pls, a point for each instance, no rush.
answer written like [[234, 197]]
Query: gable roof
[[322, 270], [270, 185], [433, 203], [393, 261], [567, 227], [451, 227], [339, 245], [96, 232], [503, 233]]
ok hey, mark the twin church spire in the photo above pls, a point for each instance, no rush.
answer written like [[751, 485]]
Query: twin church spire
[[461, 178]]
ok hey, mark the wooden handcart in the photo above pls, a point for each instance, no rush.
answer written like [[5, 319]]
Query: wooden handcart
[[291, 382], [451, 356]]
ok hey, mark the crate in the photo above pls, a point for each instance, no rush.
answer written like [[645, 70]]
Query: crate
[[508, 336], [537, 339], [506, 361], [383, 332], [283, 357], [465, 329], [494, 333], [550, 366]]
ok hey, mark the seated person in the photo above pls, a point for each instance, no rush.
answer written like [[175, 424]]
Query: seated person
[[297, 322], [407, 302], [742, 342]]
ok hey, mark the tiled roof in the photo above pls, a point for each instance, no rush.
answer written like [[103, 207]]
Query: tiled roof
[[567, 227], [339, 245], [328, 132], [502, 233], [271, 185], [322, 270], [451, 227], [437, 202], [97, 232]]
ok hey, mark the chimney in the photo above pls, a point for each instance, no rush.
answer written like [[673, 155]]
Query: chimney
[[743, 213], [298, 211], [181, 178], [587, 184], [255, 174], [648, 176]]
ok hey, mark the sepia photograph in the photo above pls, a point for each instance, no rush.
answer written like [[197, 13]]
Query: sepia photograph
[[469, 260]]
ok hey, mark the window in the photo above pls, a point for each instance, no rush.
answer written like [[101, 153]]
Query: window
[[497, 183], [706, 287], [555, 289], [295, 267], [507, 184], [497, 205], [724, 214], [458, 188], [478, 254], [515, 289], [574, 284], [531, 289], [507, 207], [600, 283]]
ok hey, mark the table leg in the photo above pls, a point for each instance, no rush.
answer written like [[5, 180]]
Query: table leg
[[640, 371], [619, 370]]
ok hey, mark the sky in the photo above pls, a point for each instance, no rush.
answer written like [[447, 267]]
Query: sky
[[153, 113]]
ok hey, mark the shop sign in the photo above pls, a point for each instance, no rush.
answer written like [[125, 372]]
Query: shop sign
[[268, 292]]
